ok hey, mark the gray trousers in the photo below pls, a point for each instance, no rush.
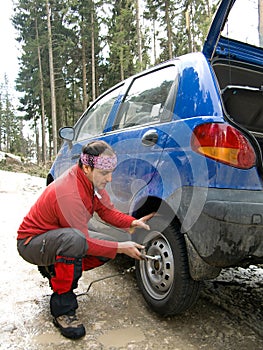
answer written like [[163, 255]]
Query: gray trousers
[[42, 249], [66, 247]]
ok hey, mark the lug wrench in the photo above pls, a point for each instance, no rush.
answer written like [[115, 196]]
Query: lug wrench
[[150, 257]]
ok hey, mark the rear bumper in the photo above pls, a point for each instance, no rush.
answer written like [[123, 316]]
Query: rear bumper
[[228, 231]]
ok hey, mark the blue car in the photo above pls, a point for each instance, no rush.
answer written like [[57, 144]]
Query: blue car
[[188, 134]]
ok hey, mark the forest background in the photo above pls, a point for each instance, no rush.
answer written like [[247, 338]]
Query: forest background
[[74, 50]]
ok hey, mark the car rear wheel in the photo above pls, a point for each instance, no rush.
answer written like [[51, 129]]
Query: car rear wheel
[[165, 281]]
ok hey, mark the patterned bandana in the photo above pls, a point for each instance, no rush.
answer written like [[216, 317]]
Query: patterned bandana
[[99, 162]]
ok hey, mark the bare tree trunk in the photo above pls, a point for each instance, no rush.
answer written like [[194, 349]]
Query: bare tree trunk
[[43, 133], [188, 30], [84, 71], [52, 81], [121, 64], [260, 22], [37, 142], [208, 8], [93, 68], [121, 58], [154, 43], [0, 121], [169, 29], [139, 34]]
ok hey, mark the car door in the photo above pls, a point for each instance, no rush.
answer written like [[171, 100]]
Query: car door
[[137, 134]]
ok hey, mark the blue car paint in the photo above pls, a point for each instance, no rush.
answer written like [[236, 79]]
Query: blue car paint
[[237, 50], [209, 198], [113, 112], [216, 27], [197, 94]]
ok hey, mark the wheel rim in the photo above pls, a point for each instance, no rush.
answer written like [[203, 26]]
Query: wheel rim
[[157, 275]]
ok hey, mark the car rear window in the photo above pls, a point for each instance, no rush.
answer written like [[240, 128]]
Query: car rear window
[[147, 98], [245, 23]]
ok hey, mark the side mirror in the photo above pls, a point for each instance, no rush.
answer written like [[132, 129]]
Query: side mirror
[[67, 133]]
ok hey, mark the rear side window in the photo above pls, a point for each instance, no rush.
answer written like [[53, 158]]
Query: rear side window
[[148, 98], [94, 120]]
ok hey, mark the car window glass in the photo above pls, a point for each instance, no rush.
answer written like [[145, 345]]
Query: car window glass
[[94, 120], [243, 23], [146, 98]]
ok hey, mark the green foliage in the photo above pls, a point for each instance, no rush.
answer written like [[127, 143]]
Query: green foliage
[[121, 40], [95, 44], [11, 138]]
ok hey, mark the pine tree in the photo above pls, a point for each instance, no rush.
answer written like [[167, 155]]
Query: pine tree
[[11, 138], [52, 80], [122, 31], [94, 44], [28, 20]]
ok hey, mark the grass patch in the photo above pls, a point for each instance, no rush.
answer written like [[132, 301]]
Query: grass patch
[[28, 168]]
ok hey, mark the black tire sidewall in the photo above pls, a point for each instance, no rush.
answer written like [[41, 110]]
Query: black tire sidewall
[[184, 290]]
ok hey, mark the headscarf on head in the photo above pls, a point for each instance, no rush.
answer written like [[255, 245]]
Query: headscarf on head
[[99, 162]]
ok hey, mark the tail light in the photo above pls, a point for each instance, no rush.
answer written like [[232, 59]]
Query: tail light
[[223, 143]]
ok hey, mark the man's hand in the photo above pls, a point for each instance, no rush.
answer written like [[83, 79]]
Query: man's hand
[[131, 249], [141, 223]]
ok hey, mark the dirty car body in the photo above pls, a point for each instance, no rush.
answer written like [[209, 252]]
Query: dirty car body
[[188, 134]]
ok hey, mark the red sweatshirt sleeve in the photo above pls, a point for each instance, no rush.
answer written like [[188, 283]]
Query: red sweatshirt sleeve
[[107, 212]]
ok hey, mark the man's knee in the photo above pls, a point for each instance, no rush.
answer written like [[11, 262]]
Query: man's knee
[[73, 243]]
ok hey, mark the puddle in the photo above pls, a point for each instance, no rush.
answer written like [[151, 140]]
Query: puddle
[[48, 338], [121, 337]]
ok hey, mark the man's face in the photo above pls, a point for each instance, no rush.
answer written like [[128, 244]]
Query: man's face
[[98, 177]]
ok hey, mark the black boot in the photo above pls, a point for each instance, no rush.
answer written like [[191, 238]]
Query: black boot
[[70, 326], [63, 308]]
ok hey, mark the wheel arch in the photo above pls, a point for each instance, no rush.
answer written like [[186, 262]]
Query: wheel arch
[[150, 204]]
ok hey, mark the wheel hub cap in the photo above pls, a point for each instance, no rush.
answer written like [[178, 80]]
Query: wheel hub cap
[[158, 274]]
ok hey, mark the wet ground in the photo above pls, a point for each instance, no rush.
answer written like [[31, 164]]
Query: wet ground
[[228, 314]]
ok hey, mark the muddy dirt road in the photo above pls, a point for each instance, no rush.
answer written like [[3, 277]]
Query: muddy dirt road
[[228, 314]]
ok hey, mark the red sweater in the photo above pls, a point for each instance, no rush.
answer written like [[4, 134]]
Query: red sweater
[[70, 201]]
